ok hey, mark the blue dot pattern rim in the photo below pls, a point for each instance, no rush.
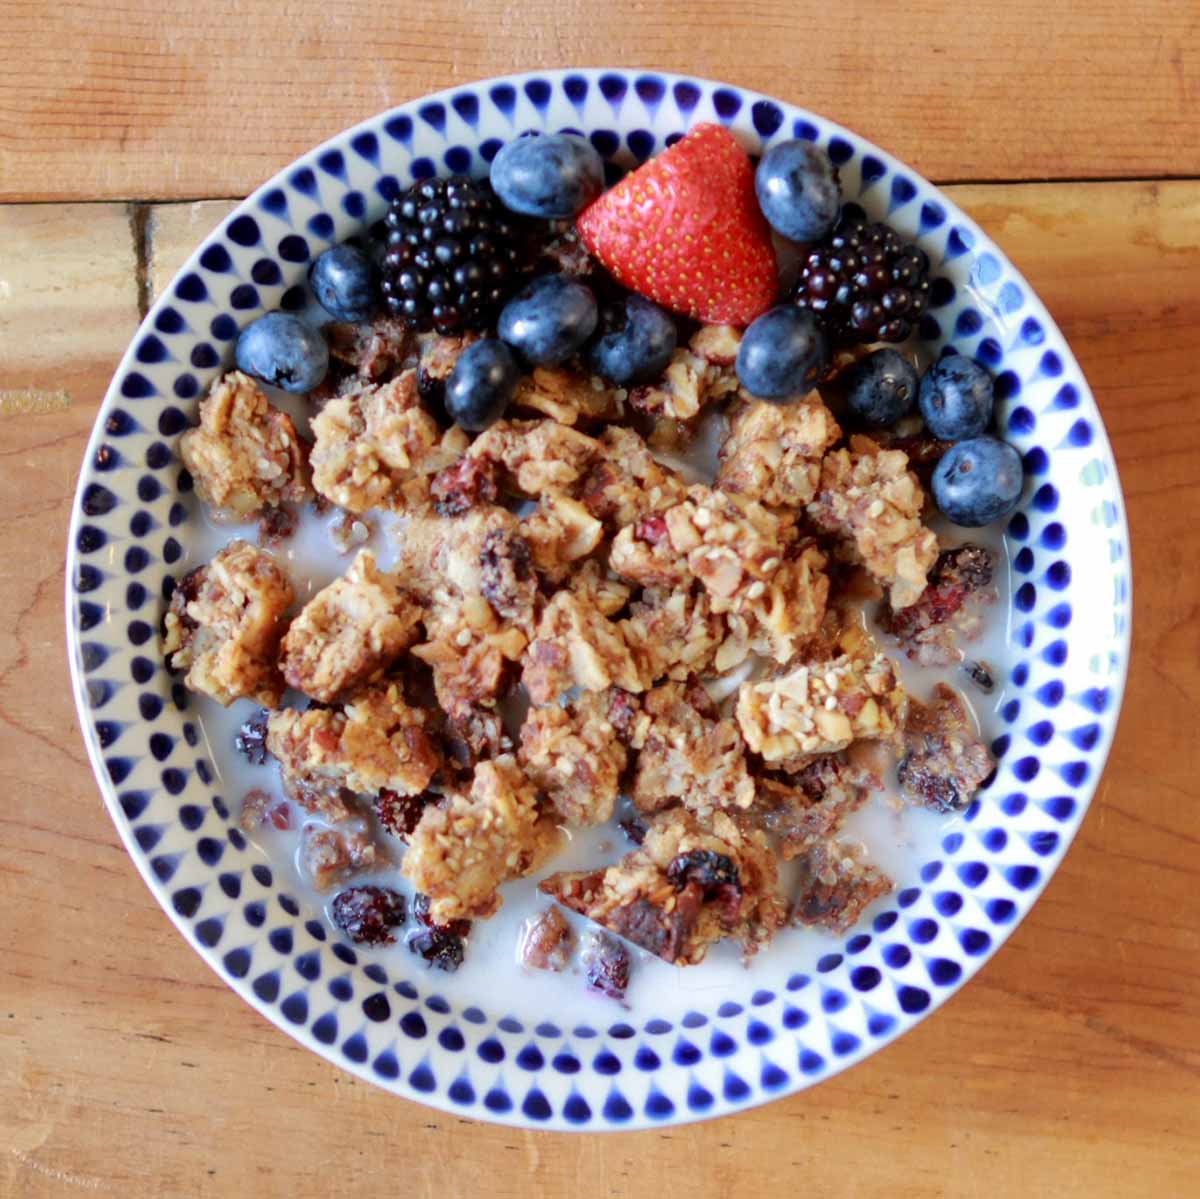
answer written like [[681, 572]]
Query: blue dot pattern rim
[[1070, 648]]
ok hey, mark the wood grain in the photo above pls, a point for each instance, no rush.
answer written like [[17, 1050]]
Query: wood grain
[[1069, 1067], [132, 99]]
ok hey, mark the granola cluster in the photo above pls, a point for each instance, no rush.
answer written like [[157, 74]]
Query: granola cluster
[[551, 619]]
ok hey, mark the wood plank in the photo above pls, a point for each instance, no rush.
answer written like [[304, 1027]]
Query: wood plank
[[1069, 1067], [160, 99]]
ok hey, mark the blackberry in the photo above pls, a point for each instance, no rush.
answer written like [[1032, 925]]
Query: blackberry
[[453, 255], [865, 282]]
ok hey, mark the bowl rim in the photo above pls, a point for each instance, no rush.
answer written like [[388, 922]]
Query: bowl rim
[[1101, 446]]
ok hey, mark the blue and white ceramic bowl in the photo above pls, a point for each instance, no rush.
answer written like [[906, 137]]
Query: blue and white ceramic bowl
[[806, 1009]]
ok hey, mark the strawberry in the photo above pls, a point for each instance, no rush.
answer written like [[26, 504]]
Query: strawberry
[[685, 230]]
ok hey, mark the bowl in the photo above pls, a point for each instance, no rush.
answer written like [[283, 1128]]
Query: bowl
[[713, 1040]]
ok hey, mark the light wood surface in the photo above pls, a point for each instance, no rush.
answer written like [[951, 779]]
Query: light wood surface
[[1069, 1067], [167, 99]]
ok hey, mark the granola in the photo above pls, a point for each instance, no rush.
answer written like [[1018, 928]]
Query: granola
[[951, 608], [367, 445], [687, 754], [820, 708], [574, 756], [349, 632], [804, 809], [567, 396], [869, 497], [575, 646], [944, 762], [673, 633], [773, 452], [225, 623], [375, 742], [835, 888], [467, 845], [535, 456], [687, 886], [560, 532], [626, 482], [244, 455]]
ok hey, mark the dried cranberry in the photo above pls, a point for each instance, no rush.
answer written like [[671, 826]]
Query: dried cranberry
[[439, 949], [281, 815], [606, 965], [368, 914], [468, 482], [251, 740], [652, 529], [400, 814], [705, 867]]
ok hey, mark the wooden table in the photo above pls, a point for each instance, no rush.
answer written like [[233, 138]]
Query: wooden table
[[1070, 130]]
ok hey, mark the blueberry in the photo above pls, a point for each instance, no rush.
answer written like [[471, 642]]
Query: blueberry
[[782, 353], [978, 481], [281, 349], [638, 345], [798, 190], [549, 319], [481, 385], [341, 281], [552, 176], [956, 398], [882, 388]]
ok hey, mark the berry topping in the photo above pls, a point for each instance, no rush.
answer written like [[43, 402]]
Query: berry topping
[[798, 190], [636, 344], [882, 388], [482, 384], [341, 281], [956, 398], [452, 257], [282, 350], [553, 176], [367, 915], [865, 282], [782, 354], [685, 230], [978, 481], [549, 319]]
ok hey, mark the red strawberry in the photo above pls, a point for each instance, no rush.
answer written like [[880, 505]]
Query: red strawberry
[[685, 230]]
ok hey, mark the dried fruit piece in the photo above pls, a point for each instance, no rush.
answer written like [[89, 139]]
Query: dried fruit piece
[[367, 915]]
